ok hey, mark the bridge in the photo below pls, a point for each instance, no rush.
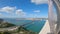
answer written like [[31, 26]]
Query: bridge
[[14, 28], [54, 25]]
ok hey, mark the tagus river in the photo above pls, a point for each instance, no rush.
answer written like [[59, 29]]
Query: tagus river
[[36, 26]]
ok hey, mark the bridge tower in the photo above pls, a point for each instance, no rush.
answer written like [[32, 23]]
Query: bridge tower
[[51, 18]]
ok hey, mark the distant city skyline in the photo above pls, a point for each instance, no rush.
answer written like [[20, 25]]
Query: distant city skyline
[[23, 9]]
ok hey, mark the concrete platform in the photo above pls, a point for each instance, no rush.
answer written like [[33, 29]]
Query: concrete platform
[[45, 29]]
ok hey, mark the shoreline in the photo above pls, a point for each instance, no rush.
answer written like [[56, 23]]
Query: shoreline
[[45, 29]]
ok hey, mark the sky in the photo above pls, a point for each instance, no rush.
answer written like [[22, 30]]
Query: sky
[[23, 9]]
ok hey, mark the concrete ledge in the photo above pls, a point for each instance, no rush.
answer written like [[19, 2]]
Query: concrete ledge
[[50, 33], [45, 29]]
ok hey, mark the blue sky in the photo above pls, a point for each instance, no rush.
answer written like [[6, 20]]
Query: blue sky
[[23, 9]]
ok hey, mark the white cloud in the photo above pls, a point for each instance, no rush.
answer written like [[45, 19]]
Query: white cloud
[[20, 12], [37, 11], [39, 1], [12, 11], [7, 9]]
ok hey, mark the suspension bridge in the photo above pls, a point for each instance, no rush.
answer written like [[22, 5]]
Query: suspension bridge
[[15, 27]]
